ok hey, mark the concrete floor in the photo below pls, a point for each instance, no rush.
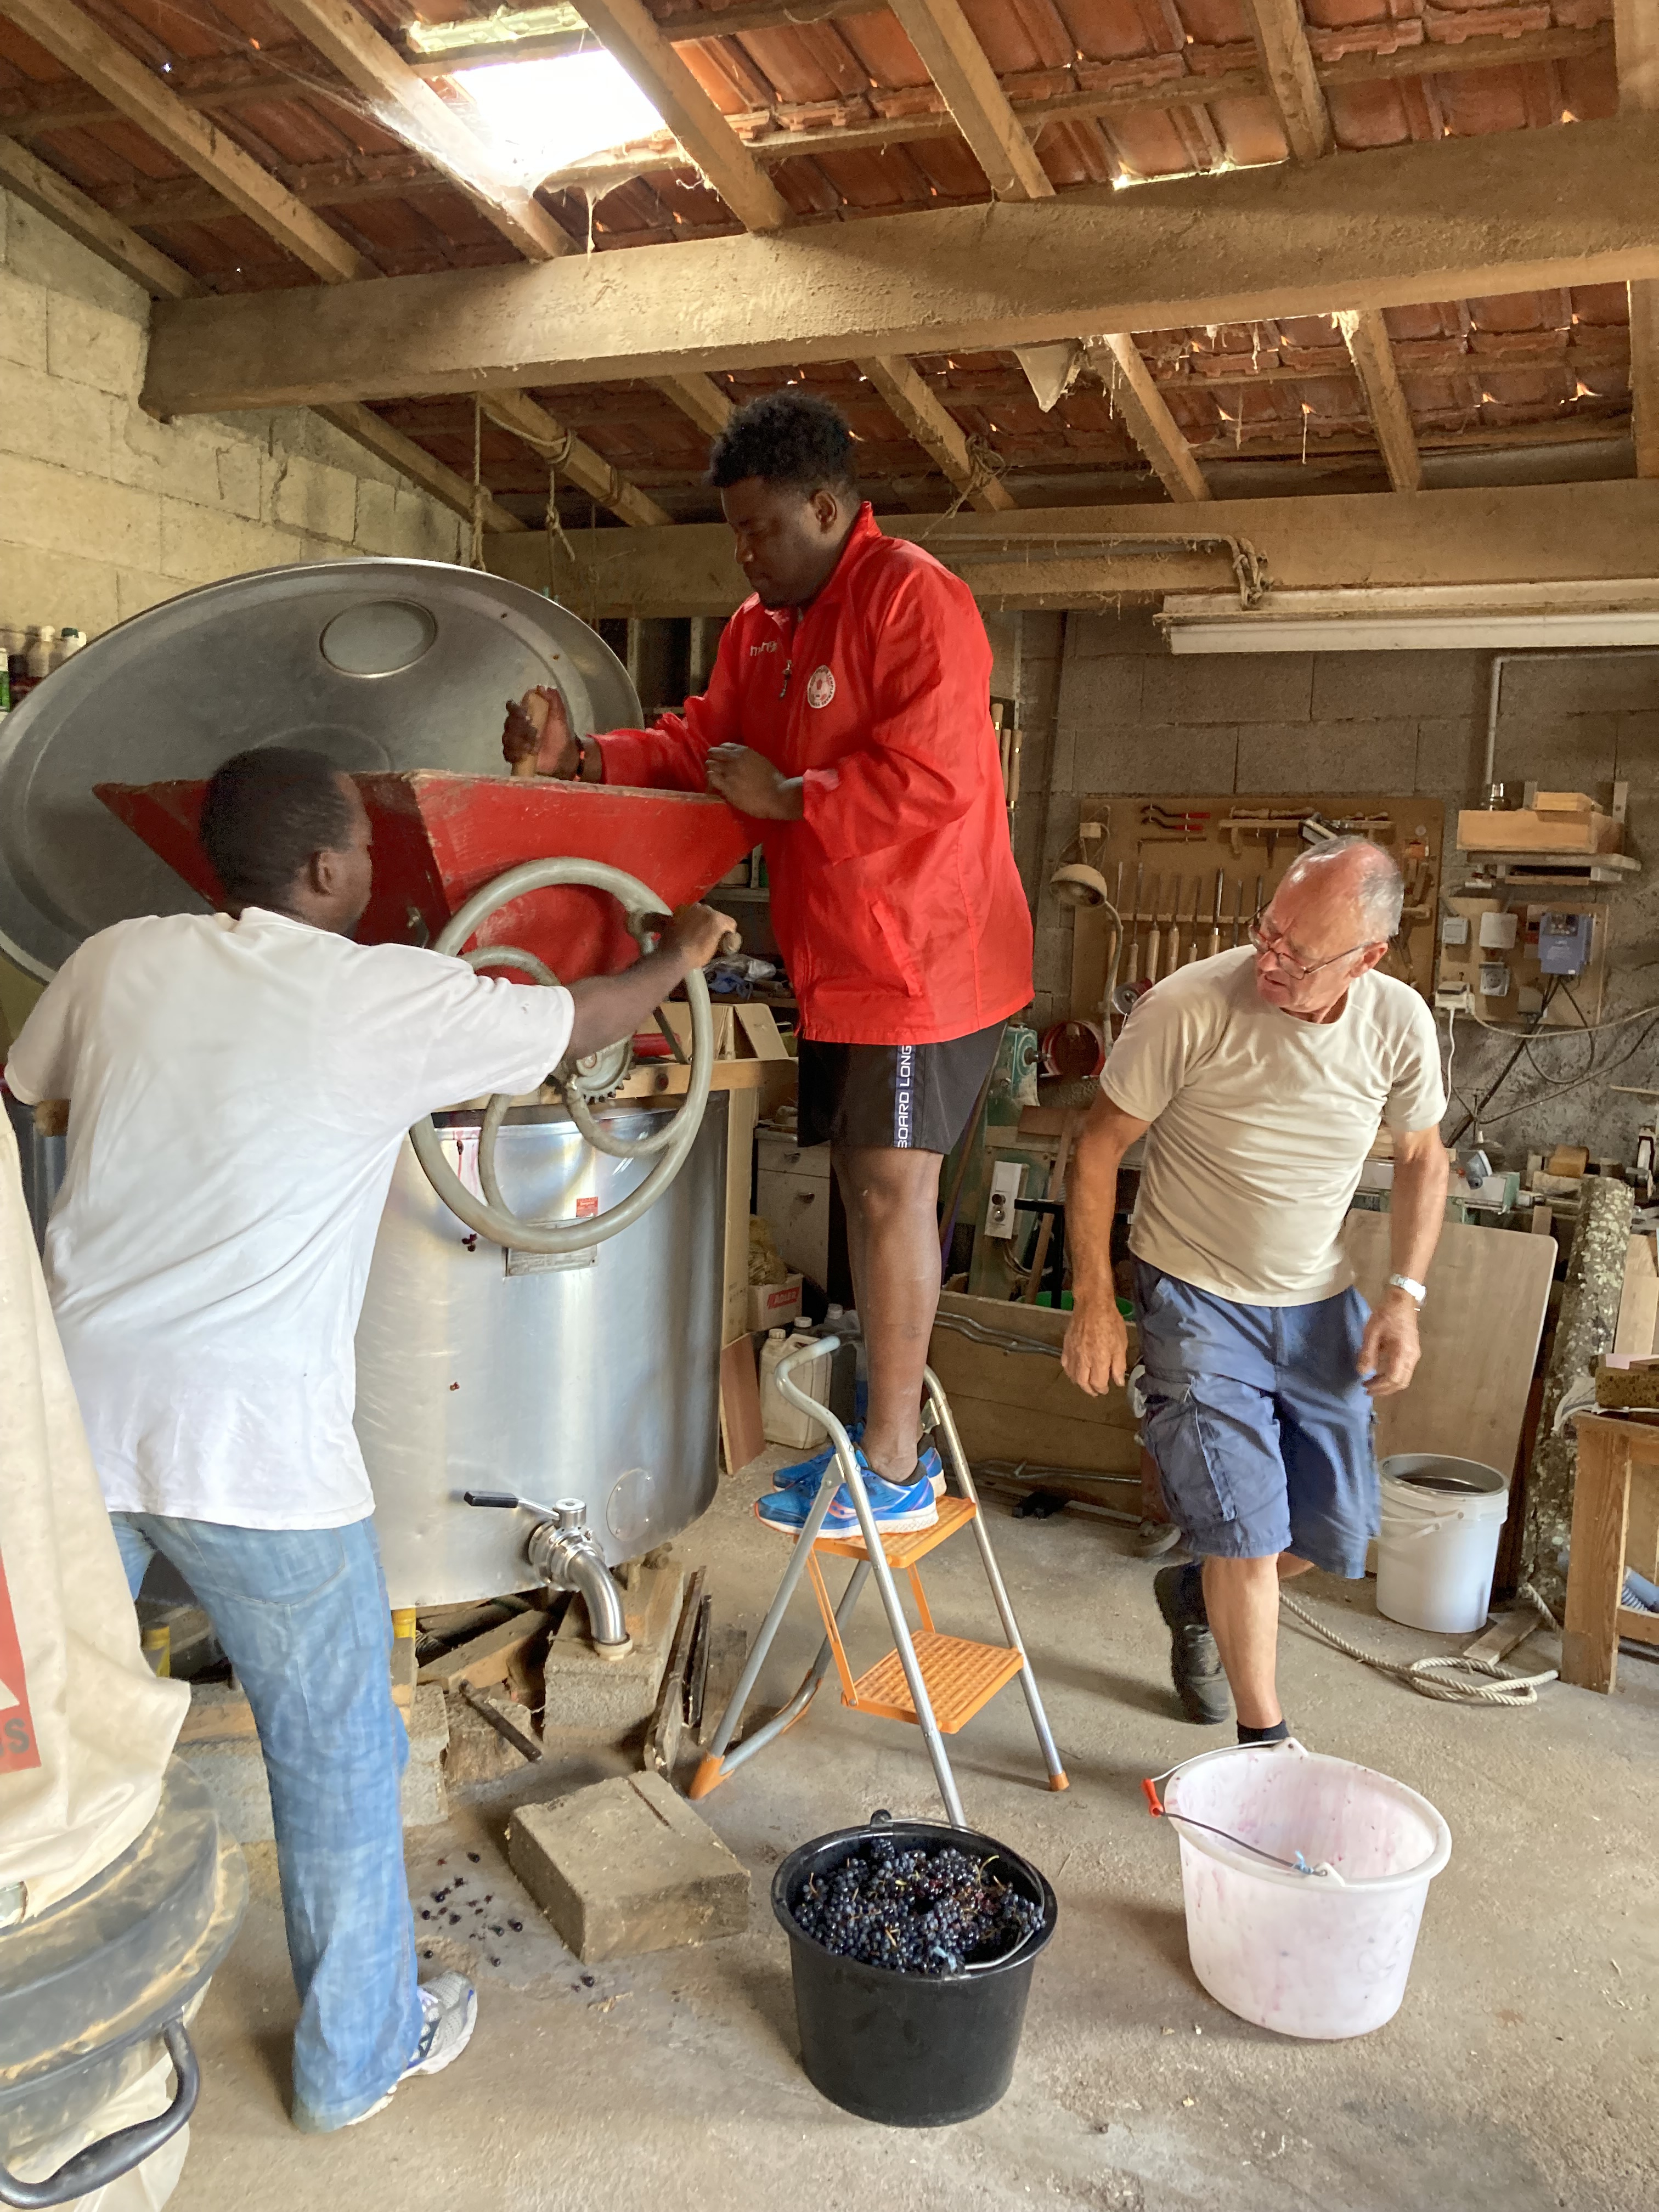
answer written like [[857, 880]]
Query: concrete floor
[[1518, 2077]]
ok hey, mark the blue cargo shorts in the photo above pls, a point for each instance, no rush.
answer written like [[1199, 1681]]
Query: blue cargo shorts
[[1259, 1423]]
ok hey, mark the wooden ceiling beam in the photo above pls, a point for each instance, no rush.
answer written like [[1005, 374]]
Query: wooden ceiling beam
[[1146, 415], [1365, 334], [406, 104], [1454, 219], [631, 34], [364, 426], [958, 64], [102, 62], [1636, 34], [573, 458], [1281, 39], [920, 411], [61, 203], [700, 397], [543, 34]]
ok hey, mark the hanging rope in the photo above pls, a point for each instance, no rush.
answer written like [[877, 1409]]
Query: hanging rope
[[985, 466], [1448, 1679], [479, 495]]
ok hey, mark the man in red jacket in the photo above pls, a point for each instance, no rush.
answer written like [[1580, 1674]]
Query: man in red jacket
[[848, 716]]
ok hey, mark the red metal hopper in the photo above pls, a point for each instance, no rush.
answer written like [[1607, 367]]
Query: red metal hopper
[[438, 838]]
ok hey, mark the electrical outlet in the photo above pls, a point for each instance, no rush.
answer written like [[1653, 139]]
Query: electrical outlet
[[1006, 1179], [1451, 998]]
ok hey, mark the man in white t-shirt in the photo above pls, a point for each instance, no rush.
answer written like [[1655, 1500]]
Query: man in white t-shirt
[[1259, 1079], [239, 1086]]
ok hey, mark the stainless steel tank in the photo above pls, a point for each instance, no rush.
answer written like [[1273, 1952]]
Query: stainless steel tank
[[484, 1369]]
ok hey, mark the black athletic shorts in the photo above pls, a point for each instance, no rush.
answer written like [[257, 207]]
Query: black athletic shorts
[[901, 1097]]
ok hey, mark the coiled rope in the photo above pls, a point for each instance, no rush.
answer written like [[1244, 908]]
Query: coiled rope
[[1447, 1680]]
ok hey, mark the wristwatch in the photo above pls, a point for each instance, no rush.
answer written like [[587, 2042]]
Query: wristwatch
[[1415, 1290]]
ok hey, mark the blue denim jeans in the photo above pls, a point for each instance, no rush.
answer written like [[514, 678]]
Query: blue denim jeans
[[1260, 1423], [302, 1615]]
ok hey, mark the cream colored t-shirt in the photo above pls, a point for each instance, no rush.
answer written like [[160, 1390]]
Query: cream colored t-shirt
[[1261, 1122]]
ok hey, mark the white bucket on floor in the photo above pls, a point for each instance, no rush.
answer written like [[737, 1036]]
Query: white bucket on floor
[[1442, 1519], [1319, 1955]]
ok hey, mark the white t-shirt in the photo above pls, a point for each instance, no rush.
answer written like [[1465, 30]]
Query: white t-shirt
[[1261, 1123], [239, 1090]]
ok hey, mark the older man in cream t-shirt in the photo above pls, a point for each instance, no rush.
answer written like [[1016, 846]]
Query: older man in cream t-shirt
[[1259, 1079]]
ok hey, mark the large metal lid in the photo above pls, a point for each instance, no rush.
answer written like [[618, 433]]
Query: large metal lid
[[378, 663]]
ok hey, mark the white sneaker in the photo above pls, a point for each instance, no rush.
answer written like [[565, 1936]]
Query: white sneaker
[[450, 2007]]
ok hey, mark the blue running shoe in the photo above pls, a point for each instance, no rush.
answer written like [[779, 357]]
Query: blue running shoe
[[807, 1473], [898, 1511]]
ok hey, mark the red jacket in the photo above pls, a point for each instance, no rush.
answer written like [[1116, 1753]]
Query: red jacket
[[895, 899]]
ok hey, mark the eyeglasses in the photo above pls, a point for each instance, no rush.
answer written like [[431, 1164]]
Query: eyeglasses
[[1297, 971]]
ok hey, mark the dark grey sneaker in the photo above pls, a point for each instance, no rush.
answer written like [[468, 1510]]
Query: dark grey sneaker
[[1194, 1663]]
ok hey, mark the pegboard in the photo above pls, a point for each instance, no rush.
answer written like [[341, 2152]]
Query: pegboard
[[1577, 1001], [1231, 840]]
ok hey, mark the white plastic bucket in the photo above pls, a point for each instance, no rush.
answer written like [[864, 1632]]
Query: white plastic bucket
[[1319, 1955], [1442, 1519]]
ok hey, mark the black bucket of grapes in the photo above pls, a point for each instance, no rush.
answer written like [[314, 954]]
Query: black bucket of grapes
[[929, 2037]]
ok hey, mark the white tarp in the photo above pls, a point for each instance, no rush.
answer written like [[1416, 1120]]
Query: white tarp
[[86, 1729]]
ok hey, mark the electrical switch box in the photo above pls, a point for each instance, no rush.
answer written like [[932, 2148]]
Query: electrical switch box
[[1005, 1180], [1564, 942]]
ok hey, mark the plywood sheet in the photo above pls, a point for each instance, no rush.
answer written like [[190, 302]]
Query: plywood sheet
[[1639, 1301], [1488, 1292]]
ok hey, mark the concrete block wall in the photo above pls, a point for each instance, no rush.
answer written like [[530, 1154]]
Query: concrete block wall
[[1107, 708], [105, 512]]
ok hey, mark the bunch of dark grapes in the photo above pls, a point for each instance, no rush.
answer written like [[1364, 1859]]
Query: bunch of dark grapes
[[918, 1911]]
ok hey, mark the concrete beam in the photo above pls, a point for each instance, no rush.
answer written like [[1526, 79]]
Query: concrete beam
[[935, 429], [953, 57], [631, 33], [1281, 39], [1584, 531], [573, 458], [1366, 336], [104, 63], [403, 103], [1411, 223], [1146, 415]]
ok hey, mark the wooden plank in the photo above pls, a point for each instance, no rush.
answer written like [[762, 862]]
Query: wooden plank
[[1639, 1300], [1281, 39], [1148, 418], [667, 1730], [935, 429], [1482, 1321], [1017, 1405], [633, 35], [90, 52], [742, 1436], [1365, 334], [487, 1658], [1589, 1637], [1447, 220], [958, 64], [759, 1026], [701, 398], [220, 1716], [403, 102]]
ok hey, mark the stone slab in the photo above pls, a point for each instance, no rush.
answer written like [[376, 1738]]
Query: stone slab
[[627, 1865], [588, 1695], [233, 1769]]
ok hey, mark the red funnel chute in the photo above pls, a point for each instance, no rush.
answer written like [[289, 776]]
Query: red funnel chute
[[438, 838]]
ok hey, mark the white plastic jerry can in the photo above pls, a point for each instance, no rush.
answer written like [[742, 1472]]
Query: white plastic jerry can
[[785, 1424]]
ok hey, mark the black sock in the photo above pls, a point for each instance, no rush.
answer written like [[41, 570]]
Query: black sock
[[1190, 1592], [1279, 1733]]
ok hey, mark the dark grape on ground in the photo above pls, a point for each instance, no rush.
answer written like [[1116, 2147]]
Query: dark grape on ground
[[916, 1911]]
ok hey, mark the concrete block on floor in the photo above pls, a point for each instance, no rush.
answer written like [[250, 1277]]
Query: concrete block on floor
[[232, 1769], [590, 1695], [627, 1865]]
